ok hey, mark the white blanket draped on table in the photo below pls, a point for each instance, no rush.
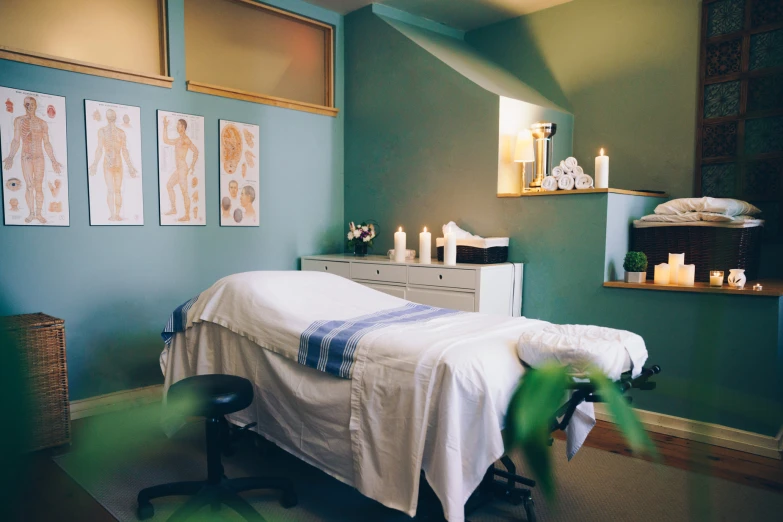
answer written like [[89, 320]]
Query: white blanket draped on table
[[426, 396]]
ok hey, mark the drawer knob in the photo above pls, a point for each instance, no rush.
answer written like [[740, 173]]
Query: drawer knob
[[326, 268], [378, 272], [440, 276]]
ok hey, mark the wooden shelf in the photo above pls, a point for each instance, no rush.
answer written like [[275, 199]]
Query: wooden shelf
[[771, 288], [587, 191]]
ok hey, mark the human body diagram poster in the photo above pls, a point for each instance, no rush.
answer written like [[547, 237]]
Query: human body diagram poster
[[114, 163], [238, 174], [33, 156], [181, 168]]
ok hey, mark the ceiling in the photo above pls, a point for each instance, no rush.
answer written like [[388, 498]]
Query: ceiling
[[459, 14]]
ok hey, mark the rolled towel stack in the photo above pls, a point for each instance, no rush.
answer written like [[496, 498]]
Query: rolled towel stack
[[567, 176]]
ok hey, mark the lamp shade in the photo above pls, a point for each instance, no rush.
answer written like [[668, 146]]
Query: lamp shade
[[523, 150]]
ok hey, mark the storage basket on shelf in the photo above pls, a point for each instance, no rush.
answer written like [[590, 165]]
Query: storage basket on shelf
[[484, 251], [708, 245], [40, 341]]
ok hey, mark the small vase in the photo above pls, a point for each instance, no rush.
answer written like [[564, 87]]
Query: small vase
[[737, 278], [360, 249], [635, 277]]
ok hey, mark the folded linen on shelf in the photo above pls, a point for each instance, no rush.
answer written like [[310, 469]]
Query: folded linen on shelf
[[557, 172], [565, 182], [571, 162], [725, 206], [550, 183], [584, 181]]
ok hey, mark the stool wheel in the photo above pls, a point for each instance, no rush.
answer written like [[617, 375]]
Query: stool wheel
[[145, 511], [289, 499]]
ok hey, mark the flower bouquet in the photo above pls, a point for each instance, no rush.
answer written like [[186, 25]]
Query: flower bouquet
[[360, 237]]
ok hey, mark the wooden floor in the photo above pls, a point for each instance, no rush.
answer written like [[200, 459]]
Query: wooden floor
[[48, 494]]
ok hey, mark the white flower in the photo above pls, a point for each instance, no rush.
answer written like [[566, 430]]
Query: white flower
[[350, 235], [367, 239], [366, 228], [357, 233]]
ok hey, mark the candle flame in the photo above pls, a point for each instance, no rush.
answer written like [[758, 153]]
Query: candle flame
[[425, 229], [602, 152], [400, 230]]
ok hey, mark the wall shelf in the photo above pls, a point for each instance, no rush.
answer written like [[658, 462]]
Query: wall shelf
[[588, 191], [771, 288]]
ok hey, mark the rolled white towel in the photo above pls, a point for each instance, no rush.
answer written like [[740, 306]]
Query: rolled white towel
[[571, 162], [565, 167], [565, 183], [578, 171], [557, 172], [550, 183], [584, 181]]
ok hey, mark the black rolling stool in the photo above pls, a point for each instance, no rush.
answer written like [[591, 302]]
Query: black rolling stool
[[213, 396]]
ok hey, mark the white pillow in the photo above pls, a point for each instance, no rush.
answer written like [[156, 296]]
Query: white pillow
[[725, 206]]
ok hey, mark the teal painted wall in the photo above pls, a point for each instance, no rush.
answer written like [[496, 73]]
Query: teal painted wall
[[421, 150], [116, 286]]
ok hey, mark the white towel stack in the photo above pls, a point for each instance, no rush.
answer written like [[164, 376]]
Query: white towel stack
[[567, 176]]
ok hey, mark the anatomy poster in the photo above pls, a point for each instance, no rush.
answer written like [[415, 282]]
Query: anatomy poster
[[114, 163], [181, 168], [33, 155], [238, 174]]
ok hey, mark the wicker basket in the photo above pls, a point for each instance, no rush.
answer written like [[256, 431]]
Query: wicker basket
[[479, 256], [709, 248], [41, 340]]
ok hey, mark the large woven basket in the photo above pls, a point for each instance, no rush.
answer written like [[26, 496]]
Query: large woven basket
[[709, 248], [480, 256], [40, 340]]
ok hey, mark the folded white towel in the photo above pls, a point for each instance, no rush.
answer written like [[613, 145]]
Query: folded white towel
[[578, 171], [557, 172], [729, 207], [452, 228], [584, 181], [579, 428], [571, 162], [565, 182], [690, 217], [550, 183], [565, 167]]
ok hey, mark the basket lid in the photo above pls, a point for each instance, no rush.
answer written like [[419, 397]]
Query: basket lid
[[16, 322]]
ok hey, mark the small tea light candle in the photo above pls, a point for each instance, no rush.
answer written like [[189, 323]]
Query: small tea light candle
[[661, 274], [716, 278], [400, 246], [757, 287], [687, 275], [425, 244], [675, 260]]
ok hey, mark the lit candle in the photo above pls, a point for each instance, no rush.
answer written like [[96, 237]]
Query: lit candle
[[450, 249], [716, 278], [687, 275], [425, 244], [675, 260], [400, 246], [757, 287], [661, 274], [602, 171]]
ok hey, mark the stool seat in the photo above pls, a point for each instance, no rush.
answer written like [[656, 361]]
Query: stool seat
[[210, 395]]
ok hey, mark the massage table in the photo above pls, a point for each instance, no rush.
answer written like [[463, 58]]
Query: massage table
[[374, 390]]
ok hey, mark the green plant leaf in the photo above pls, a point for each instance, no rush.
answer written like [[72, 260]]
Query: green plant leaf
[[530, 415], [623, 414]]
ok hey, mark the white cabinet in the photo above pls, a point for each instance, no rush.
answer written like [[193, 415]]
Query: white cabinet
[[492, 289]]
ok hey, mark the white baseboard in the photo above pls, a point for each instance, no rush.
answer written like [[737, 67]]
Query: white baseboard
[[117, 401], [715, 434]]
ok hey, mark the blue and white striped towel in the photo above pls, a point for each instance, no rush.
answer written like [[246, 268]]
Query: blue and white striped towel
[[178, 320]]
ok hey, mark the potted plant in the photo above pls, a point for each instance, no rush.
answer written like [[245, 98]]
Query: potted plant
[[635, 266], [360, 237]]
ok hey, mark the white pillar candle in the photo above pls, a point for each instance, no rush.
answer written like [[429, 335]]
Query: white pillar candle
[[602, 171], [661, 274], [425, 245], [675, 260], [400, 246], [687, 275], [716, 278], [450, 249]]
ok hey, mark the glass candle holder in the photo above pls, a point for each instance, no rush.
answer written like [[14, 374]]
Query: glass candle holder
[[757, 287], [716, 278]]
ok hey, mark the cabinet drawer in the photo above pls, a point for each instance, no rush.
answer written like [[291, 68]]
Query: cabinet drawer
[[339, 268], [463, 301], [446, 277], [396, 291], [383, 273]]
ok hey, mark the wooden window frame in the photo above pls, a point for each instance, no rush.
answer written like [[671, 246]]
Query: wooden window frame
[[69, 64], [228, 92]]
